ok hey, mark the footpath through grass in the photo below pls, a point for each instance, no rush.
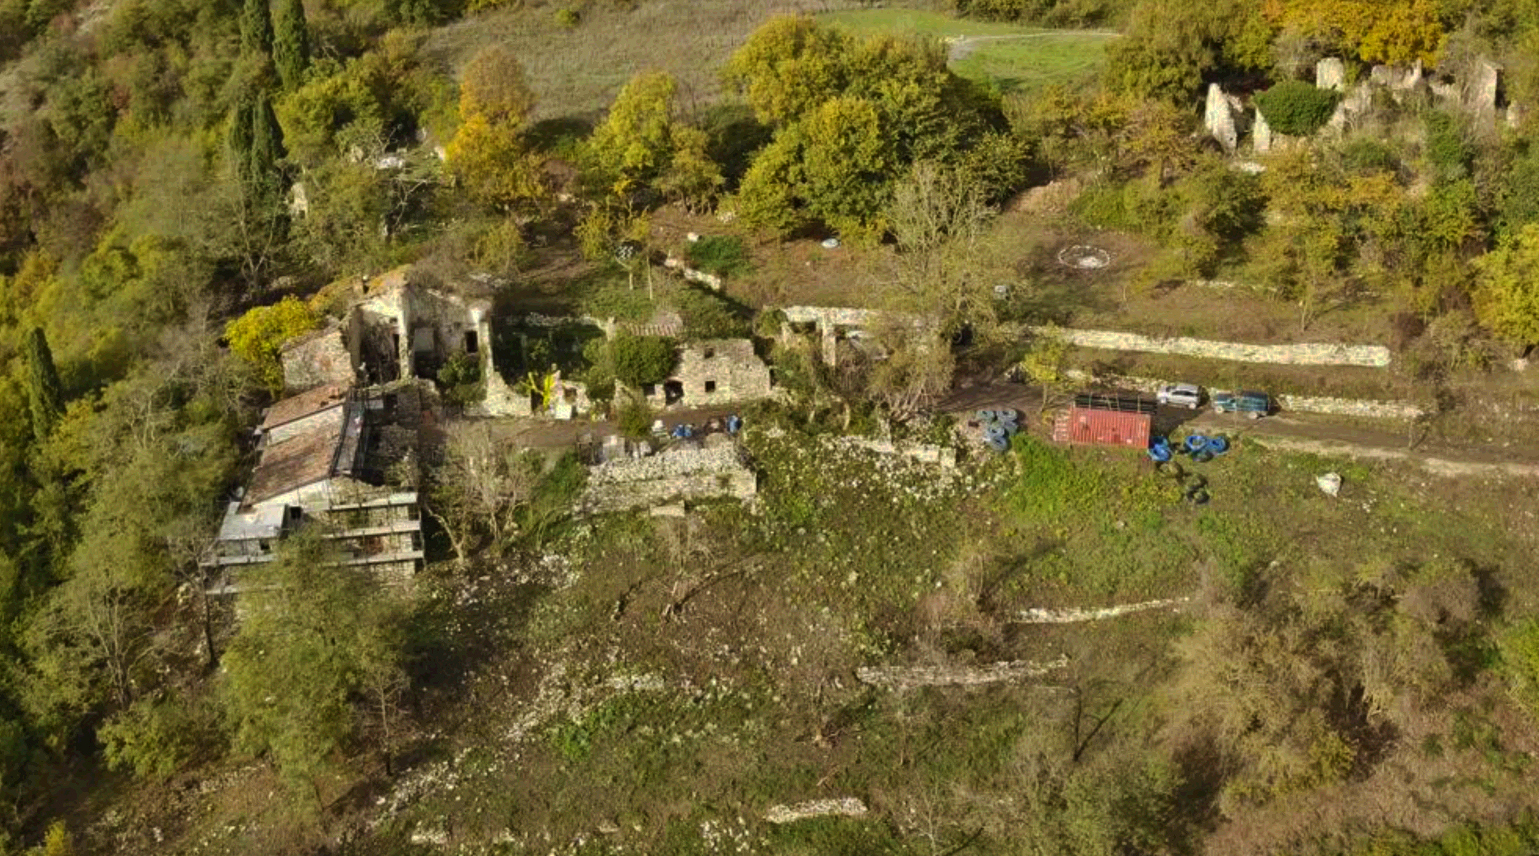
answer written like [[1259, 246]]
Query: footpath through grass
[[1009, 58]]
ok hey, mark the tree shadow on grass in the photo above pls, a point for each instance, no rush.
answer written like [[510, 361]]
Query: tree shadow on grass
[[558, 135]]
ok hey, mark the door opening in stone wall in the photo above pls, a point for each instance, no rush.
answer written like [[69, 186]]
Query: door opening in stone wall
[[471, 343], [673, 392]]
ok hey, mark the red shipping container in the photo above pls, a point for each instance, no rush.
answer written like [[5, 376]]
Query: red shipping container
[[1093, 427]]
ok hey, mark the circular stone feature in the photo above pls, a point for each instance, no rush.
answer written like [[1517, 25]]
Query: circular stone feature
[[1084, 257]]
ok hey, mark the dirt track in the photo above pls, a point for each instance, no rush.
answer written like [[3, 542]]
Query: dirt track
[[1294, 432]]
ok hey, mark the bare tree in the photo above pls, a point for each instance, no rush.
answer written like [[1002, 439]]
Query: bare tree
[[478, 489], [942, 266], [916, 368]]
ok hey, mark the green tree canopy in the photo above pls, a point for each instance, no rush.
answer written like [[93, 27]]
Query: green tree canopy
[[1296, 108], [644, 143], [642, 360], [255, 336], [315, 638], [488, 154], [789, 66]]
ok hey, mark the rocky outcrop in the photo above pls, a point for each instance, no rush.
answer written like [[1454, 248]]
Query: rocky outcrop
[[1221, 116]]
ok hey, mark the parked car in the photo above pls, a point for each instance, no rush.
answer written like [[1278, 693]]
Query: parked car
[[1253, 404], [1188, 395]]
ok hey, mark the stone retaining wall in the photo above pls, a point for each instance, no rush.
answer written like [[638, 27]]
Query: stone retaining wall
[[1299, 403], [1373, 356]]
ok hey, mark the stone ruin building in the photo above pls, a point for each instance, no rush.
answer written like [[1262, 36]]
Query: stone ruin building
[[1227, 119], [396, 329], [712, 373], [339, 457]]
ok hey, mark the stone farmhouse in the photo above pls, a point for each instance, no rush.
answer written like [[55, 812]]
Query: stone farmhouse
[[337, 457], [712, 373]]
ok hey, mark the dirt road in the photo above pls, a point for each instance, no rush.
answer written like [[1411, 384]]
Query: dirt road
[[1317, 434]]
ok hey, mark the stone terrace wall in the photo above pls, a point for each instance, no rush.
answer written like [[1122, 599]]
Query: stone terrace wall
[[1373, 356]]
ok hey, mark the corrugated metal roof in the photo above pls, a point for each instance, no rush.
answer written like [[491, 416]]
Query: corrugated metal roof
[[1093, 427]]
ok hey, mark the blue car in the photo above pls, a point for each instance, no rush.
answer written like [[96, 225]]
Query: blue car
[[1253, 404]]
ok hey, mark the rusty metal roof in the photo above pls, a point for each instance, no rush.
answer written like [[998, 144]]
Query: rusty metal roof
[[1095, 427]]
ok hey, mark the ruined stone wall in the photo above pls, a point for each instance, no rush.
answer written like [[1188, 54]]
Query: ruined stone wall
[[716, 471], [1373, 356], [708, 280], [1221, 116]]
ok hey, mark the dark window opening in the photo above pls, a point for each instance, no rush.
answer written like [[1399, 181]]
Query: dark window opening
[[649, 389], [709, 352], [264, 546], [471, 343], [673, 391], [710, 386]]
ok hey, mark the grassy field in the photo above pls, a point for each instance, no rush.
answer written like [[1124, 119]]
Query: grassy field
[[1012, 59], [576, 71]]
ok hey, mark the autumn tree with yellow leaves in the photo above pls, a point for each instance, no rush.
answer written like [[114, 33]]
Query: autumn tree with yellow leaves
[[489, 155]]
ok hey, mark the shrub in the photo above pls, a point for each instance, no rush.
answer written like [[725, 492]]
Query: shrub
[[1518, 644], [640, 360], [1296, 108], [256, 336], [1365, 155], [709, 315], [568, 18], [1447, 151], [153, 739], [460, 379], [722, 255], [635, 420]]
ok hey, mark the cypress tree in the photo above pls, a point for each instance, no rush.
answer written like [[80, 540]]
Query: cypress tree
[[256, 28], [242, 133], [264, 168], [266, 142], [291, 43], [45, 396]]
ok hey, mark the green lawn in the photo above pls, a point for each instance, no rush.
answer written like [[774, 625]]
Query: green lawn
[[1014, 59]]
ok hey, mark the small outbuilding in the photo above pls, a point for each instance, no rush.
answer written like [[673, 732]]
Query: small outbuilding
[[1097, 419]]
